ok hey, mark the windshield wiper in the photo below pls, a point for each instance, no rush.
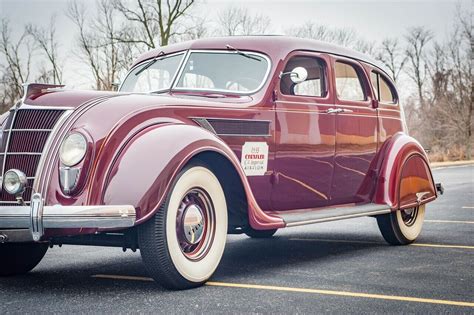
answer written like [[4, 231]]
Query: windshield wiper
[[242, 53], [150, 63]]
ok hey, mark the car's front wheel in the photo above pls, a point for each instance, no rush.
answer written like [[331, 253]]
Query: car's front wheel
[[403, 226], [183, 243], [20, 258]]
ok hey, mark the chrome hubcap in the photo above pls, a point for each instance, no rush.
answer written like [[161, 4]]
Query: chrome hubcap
[[409, 216], [195, 224]]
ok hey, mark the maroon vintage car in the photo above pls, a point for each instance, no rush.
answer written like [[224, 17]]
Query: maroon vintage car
[[205, 138]]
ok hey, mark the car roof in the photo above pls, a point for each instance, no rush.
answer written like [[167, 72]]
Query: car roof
[[275, 46]]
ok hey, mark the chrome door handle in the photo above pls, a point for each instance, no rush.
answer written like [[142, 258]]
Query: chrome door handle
[[333, 110], [338, 110], [345, 110]]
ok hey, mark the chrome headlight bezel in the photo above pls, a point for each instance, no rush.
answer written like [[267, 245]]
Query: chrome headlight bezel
[[73, 149], [20, 181]]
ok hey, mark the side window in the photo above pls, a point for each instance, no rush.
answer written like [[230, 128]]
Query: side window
[[314, 85], [383, 89], [348, 83]]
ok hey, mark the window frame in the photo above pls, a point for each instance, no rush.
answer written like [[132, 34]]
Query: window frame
[[391, 86], [324, 78], [130, 72], [363, 80]]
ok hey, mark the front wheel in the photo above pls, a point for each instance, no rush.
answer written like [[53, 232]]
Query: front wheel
[[402, 227], [20, 258], [183, 243]]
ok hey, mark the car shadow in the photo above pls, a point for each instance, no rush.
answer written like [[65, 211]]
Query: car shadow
[[243, 258]]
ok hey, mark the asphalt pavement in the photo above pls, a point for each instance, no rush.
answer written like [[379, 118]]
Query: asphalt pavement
[[335, 267]]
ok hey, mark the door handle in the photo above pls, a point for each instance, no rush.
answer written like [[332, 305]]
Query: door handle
[[333, 110], [345, 110], [338, 110]]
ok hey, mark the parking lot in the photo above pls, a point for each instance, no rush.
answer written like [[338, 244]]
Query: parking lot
[[336, 267]]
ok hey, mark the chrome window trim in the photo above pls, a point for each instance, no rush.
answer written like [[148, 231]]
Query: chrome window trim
[[183, 52], [264, 80]]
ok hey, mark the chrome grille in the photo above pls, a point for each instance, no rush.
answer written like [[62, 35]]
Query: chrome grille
[[24, 137]]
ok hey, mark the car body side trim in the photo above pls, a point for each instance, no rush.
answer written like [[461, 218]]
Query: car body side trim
[[311, 216]]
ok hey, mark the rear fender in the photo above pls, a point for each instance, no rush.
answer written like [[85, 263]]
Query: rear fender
[[145, 168], [405, 178]]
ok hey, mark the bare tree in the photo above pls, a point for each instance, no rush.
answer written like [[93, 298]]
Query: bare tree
[[195, 27], [340, 36], [98, 46], [417, 39], [311, 30], [47, 42], [391, 54], [152, 23], [239, 21], [453, 83], [16, 70]]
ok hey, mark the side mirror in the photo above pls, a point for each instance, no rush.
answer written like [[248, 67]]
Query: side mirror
[[297, 75]]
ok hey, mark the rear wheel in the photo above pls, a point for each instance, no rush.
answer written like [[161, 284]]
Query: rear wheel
[[260, 233], [19, 258], [403, 226], [183, 243]]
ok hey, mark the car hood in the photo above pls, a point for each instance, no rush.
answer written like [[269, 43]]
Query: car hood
[[75, 98]]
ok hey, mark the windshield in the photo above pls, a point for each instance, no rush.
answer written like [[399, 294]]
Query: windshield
[[154, 75], [223, 72], [213, 71]]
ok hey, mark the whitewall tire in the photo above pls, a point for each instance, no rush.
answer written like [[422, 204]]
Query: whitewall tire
[[184, 242], [403, 226]]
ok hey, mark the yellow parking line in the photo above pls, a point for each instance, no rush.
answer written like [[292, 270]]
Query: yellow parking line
[[449, 221], [380, 243], [468, 207], [340, 293], [302, 290], [442, 246]]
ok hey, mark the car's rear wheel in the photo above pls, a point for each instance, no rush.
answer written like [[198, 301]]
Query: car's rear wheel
[[183, 243], [20, 258], [403, 226], [260, 233]]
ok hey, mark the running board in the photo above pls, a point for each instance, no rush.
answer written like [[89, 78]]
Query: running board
[[332, 214]]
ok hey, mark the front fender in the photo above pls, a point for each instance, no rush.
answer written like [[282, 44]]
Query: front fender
[[144, 169], [405, 178]]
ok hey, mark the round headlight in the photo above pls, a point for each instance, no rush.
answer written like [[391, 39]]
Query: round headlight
[[73, 149], [14, 181]]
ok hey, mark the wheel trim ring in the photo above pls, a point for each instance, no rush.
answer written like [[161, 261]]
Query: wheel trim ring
[[409, 218], [204, 203]]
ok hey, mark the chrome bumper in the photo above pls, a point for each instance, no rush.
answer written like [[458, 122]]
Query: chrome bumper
[[15, 220]]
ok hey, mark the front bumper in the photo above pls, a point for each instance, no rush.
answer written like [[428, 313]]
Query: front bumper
[[27, 223]]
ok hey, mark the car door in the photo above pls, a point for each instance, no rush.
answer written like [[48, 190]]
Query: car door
[[304, 139], [356, 133]]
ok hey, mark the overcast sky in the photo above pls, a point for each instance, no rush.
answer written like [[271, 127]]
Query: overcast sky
[[373, 20]]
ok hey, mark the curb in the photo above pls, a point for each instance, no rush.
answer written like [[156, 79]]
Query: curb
[[451, 163]]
